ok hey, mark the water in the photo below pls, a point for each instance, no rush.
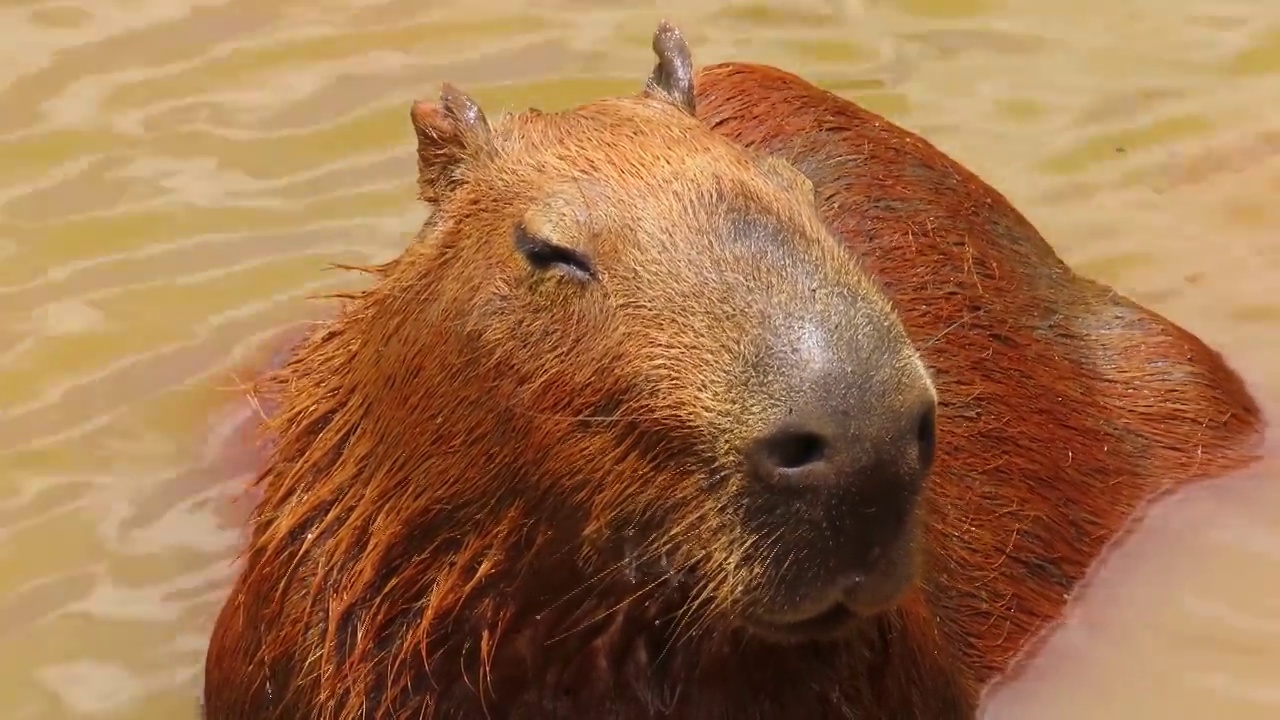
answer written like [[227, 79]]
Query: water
[[175, 175]]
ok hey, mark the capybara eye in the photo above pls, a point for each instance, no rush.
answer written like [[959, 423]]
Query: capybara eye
[[542, 255]]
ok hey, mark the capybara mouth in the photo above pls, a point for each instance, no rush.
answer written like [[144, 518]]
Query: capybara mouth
[[867, 597], [890, 577], [834, 622]]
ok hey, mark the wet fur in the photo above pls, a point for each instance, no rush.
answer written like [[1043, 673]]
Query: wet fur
[[1064, 408]]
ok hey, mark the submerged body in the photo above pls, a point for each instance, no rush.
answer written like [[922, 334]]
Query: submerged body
[[629, 433]]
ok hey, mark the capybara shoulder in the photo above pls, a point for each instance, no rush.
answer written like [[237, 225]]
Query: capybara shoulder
[[1064, 406], [625, 433]]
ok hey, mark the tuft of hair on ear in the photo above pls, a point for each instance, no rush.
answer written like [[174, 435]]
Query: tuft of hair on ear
[[450, 131], [672, 76]]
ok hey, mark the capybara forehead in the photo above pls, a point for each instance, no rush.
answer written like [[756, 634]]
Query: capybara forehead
[[631, 143]]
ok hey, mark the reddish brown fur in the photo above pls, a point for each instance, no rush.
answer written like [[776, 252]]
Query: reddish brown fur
[[358, 580], [1064, 406]]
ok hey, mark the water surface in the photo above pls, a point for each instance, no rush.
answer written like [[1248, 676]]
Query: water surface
[[175, 175]]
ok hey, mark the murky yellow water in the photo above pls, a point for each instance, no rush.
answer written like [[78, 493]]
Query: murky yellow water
[[174, 175]]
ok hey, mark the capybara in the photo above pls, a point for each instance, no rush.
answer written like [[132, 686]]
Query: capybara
[[628, 431]]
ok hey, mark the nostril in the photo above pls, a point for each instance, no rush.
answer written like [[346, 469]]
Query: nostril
[[790, 450], [927, 437]]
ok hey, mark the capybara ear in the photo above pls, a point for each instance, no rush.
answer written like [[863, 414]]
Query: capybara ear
[[449, 132], [672, 77]]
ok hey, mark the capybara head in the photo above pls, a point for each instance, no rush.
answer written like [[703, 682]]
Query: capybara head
[[623, 340]]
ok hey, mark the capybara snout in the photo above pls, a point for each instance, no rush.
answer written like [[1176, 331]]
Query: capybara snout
[[846, 469], [836, 471]]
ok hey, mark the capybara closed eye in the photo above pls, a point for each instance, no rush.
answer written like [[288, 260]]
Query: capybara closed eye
[[636, 427]]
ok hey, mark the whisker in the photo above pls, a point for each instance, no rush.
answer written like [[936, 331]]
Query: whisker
[[613, 609], [963, 319]]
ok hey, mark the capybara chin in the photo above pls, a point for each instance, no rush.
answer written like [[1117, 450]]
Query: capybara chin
[[628, 431], [625, 433]]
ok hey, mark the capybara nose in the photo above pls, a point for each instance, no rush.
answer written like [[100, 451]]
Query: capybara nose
[[865, 451]]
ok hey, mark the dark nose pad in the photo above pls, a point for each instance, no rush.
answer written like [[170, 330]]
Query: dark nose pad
[[809, 454], [792, 455]]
